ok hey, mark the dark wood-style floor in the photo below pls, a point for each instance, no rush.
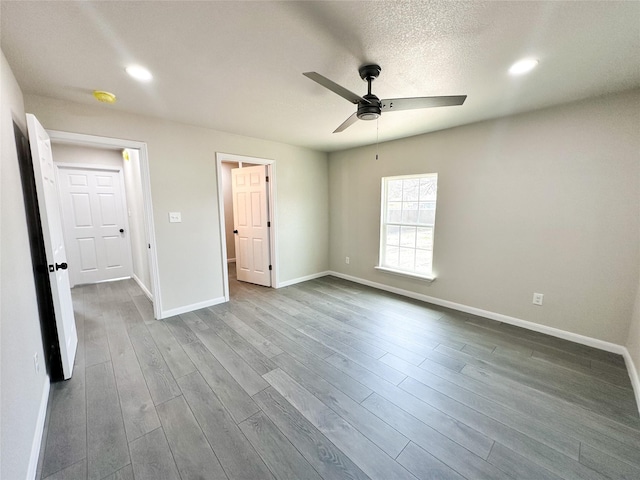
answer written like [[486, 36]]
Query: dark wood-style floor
[[331, 380]]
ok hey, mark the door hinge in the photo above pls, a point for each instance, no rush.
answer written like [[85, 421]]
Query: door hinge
[[270, 267], [149, 245], [268, 224], [267, 178]]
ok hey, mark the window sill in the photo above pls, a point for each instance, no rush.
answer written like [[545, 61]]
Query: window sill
[[416, 276]]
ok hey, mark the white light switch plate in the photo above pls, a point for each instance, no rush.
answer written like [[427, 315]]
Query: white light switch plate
[[175, 217]]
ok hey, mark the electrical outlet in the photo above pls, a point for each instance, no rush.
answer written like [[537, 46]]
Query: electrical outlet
[[36, 362], [175, 217], [346, 260], [537, 298]]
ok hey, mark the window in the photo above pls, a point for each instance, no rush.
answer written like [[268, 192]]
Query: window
[[407, 224]]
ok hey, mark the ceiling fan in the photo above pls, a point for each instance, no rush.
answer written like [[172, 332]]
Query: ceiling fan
[[371, 107]]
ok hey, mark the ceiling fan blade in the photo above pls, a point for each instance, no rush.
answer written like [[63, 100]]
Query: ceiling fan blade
[[392, 104], [347, 123], [335, 88]]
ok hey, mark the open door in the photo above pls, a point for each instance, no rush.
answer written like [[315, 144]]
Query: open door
[[43, 169], [251, 224]]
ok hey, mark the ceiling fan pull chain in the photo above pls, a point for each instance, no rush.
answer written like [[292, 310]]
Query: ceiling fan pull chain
[[377, 137]]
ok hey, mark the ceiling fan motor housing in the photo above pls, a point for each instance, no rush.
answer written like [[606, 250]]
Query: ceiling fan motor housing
[[369, 111]]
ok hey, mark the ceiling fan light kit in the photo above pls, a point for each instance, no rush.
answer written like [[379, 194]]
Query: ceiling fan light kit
[[370, 107]]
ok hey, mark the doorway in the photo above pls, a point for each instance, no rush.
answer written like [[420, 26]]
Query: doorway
[[139, 219], [225, 163]]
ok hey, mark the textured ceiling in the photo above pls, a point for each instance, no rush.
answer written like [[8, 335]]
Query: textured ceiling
[[237, 66]]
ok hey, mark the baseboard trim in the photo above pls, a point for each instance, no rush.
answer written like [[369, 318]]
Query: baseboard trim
[[37, 437], [144, 289], [634, 375], [303, 279], [190, 308]]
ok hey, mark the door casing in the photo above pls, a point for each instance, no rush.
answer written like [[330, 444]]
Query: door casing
[[101, 142]]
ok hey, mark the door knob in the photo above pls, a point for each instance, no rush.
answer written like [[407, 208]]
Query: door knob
[[122, 230], [61, 266], [235, 231]]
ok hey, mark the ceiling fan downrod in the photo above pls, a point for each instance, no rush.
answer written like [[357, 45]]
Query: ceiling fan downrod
[[372, 109]]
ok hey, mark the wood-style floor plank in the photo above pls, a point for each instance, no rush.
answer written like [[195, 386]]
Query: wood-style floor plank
[[325, 457], [238, 458], [152, 459], [191, 451], [371, 459], [107, 449], [284, 460]]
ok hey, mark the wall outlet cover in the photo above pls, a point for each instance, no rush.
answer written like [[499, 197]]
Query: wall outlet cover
[[175, 217]]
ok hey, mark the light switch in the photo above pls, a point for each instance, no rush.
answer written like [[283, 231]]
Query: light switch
[[175, 217]]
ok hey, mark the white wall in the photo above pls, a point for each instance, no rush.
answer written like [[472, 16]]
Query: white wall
[[183, 179], [228, 208], [22, 389], [79, 154], [542, 202]]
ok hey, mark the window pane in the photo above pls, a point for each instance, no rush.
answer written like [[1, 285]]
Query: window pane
[[410, 212], [408, 237], [407, 257], [391, 256], [394, 190], [428, 189], [423, 261], [394, 212], [425, 238], [393, 235], [411, 189], [427, 213]]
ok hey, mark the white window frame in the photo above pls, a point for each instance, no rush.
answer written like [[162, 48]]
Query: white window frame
[[382, 265]]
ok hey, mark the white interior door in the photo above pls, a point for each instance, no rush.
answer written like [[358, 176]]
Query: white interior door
[[251, 221], [95, 224], [46, 189]]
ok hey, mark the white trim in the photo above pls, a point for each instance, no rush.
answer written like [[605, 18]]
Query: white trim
[[37, 436], [144, 289], [634, 375], [303, 279], [194, 306], [271, 172], [536, 327], [415, 276], [57, 136]]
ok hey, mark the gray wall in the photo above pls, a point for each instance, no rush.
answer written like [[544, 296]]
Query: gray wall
[[542, 202], [183, 179], [135, 204], [21, 388]]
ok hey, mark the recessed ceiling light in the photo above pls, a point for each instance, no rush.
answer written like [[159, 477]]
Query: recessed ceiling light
[[523, 66], [139, 73]]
